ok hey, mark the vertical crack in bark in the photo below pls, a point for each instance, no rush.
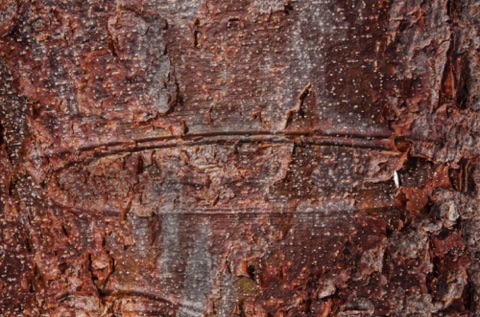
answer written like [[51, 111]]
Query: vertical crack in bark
[[297, 109]]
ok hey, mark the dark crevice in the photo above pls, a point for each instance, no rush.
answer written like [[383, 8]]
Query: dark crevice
[[196, 35], [462, 94], [288, 8], [251, 271], [469, 296], [64, 230], [462, 178], [28, 245], [2, 134]]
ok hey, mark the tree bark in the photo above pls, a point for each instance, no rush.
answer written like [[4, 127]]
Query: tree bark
[[239, 158]]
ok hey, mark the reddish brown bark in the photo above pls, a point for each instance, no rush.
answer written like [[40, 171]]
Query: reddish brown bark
[[239, 158]]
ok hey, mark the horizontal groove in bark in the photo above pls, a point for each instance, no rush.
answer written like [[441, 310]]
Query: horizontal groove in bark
[[203, 139]]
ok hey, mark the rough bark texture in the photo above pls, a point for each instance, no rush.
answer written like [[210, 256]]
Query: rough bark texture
[[239, 158]]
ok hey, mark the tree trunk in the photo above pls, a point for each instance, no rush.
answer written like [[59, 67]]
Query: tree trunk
[[239, 158]]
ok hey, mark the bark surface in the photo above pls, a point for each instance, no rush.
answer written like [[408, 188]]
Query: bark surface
[[259, 158]]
